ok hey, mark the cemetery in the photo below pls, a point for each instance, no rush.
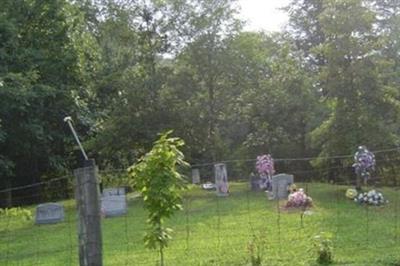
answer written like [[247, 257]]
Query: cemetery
[[205, 133], [225, 225], [217, 231]]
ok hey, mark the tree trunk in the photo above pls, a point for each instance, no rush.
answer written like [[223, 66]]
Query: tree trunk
[[161, 256]]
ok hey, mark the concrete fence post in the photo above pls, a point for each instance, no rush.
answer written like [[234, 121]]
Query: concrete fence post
[[89, 217]]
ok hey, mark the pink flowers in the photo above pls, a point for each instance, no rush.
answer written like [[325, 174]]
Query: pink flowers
[[298, 199], [265, 165]]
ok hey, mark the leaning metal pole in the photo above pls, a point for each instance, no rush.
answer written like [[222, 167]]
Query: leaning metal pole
[[88, 209], [68, 120]]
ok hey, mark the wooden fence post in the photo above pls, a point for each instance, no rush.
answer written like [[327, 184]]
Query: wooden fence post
[[88, 206]]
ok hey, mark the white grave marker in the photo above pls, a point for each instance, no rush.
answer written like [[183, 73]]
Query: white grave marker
[[113, 202], [195, 176], [221, 179]]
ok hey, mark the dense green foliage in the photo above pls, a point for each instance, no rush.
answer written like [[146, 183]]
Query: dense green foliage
[[157, 178], [127, 70]]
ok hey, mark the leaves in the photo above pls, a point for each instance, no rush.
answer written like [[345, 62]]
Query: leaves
[[157, 178]]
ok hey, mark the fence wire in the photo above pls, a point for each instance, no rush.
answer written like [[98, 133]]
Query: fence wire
[[214, 230]]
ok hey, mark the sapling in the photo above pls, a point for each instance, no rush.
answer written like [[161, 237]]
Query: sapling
[[157, 178]]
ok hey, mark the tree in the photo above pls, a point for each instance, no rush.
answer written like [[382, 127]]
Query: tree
[[362, 109], [306, 29], [41, 76], [157, 178], [276, 96], [147, 38]]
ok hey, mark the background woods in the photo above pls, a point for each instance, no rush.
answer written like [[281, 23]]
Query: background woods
[[127, 70]]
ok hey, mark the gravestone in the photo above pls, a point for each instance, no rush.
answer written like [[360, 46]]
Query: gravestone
[[115, 191], [113, 202], [221, 179], [280, 184], [49, 213], [254, 182], [195, 176]]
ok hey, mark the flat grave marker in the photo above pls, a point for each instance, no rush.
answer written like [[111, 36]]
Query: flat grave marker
[[113, 202], [49, 213]]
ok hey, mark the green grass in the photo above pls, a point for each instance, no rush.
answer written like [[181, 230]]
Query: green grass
[[217, 231]]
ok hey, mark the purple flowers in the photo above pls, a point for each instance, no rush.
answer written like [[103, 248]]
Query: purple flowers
[[265, 165], [299, 199], [364, 162]]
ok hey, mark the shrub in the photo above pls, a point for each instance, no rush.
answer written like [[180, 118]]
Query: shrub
[[324, 248]]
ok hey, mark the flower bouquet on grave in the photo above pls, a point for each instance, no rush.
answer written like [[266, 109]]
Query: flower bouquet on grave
[[299, 199], [265, 168], [372, 197], [363, 165], [208, 186], [351, 193]]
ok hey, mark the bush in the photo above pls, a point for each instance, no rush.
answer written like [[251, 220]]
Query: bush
[[324, 248]]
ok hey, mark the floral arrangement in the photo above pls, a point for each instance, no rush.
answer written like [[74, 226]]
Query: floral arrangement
[[364, 162], [299, 199], [265, 165], [351, 193], [292, 188], [371, 198], [265, 168]]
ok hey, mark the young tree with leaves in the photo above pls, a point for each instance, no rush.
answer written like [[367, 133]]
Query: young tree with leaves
[[156, 176]]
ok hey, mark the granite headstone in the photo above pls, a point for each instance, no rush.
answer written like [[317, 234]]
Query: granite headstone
[[280, 184], [49, 213], [113, 202], [221, 179], [115, 191], [195, 176]]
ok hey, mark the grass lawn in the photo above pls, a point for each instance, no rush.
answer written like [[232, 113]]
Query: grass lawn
[[217, 231]]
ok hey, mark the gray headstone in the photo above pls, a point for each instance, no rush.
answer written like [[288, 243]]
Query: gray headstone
[[113, 205], [115, 191], [221, 179], [280, 185], [49, 213], [195, 176]]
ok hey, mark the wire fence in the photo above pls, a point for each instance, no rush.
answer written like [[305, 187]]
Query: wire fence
[[212, 230]]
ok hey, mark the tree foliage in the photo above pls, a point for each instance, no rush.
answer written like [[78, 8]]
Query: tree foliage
[[157, 178], [127, 70]]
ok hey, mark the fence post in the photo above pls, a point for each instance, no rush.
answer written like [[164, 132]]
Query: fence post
[[88, 206]]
